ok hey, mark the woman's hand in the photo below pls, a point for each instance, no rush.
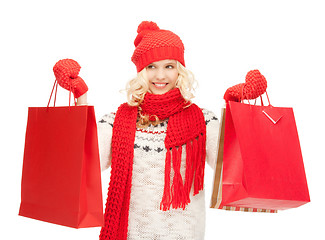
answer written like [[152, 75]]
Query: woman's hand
[[255, 85], [82, 100], [66, 72]]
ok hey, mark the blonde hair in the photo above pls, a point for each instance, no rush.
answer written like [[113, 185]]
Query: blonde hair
[[137, 87]]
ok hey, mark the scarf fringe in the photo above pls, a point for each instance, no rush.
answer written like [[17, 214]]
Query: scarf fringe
[[189, 170], [200, 164], [166, 200], [178, 195]]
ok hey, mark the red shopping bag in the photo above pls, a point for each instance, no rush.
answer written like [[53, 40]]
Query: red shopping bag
[[216, 196], [61, 180], [262, 161]]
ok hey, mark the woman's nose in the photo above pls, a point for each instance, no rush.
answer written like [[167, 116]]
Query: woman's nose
[[160, 74]]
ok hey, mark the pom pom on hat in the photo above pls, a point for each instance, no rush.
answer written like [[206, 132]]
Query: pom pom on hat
[[154, 44], [143, 29], [146, 25]]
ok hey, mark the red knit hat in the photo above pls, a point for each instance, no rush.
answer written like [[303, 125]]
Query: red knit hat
[[154, 44]]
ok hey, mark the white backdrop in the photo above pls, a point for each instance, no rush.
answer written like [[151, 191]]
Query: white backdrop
[[223, 40]]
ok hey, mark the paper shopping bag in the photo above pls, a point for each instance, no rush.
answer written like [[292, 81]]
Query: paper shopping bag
[[216, 197], [262, 160], [61, 180]]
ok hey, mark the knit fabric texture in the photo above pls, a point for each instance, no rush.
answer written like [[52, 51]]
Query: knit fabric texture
[[255, 85], [66, 72], [154, 44], [146, 220], [186, 125], [117, 204]]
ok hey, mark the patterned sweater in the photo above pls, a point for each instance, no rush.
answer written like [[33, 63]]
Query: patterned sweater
[[146, 220]]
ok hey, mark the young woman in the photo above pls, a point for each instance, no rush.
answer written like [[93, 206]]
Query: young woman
[[156, 143], [158, 149]]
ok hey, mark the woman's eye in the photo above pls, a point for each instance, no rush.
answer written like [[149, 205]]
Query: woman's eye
[[151, 66], [170, 66]]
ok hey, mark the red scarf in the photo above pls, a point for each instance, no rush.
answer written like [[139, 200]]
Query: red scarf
[[186, 125]]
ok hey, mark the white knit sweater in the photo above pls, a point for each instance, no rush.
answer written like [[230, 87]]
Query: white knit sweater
[[146, 220]]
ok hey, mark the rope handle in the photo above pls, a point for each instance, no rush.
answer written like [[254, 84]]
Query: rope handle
[[55, 85], [241, 100]]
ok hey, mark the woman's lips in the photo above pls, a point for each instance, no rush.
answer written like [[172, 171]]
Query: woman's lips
[[160, 85]]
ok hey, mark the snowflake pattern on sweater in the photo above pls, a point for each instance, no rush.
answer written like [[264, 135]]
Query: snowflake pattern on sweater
[[146, 220]]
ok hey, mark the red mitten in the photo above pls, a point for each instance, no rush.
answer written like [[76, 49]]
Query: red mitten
[[255, 85], [66, 72]]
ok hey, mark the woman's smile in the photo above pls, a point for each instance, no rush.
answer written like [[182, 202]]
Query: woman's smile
[[162, 76], [160, 85]]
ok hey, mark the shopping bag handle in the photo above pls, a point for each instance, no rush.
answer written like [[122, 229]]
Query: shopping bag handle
[[262, 103], [55, 85]]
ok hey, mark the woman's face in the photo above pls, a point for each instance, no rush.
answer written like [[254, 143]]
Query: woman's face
[[162, 76]]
